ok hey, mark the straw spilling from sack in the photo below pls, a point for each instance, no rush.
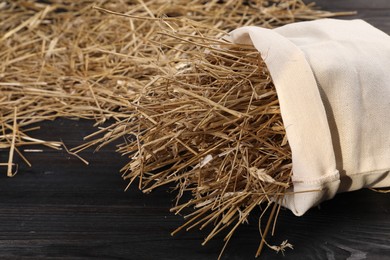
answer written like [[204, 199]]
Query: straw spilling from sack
[[211, 126], [193, 111]]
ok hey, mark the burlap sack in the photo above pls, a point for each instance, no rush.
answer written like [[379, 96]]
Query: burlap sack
[[333, 82]]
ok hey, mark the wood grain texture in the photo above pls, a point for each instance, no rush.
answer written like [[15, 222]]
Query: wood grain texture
[[63, 209], [375, 12]]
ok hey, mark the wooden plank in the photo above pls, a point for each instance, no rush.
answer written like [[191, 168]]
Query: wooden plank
[[375, 12], [363, 5]]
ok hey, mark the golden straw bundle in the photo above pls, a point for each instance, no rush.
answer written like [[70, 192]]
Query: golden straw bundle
[[212, 126], [194, 110]]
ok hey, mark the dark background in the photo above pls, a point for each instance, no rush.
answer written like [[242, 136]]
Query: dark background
[[61, 208]]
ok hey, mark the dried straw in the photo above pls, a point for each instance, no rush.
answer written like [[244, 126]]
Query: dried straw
[[212, 126], [193, 110]]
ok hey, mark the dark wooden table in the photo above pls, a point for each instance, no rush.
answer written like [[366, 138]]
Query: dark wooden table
[[61, 208]]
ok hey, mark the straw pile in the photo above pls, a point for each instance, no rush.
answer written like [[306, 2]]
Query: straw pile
[[192, 110]]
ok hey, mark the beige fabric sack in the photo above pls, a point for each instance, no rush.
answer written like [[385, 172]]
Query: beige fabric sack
[[333, 82]]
